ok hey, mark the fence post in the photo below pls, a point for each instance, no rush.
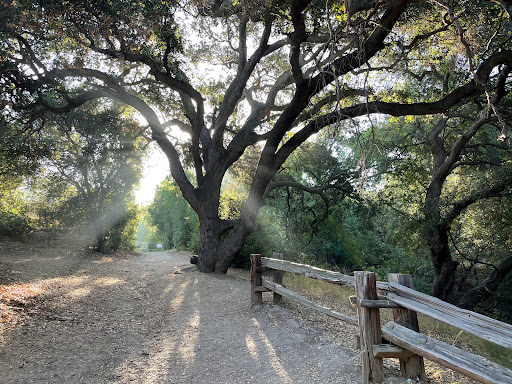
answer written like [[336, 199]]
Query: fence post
[[369, 327], [412, 367], [278, 278], [256, 280]]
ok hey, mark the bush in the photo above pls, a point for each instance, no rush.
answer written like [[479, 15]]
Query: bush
[[253, 244], [15, 225], [14, 221]]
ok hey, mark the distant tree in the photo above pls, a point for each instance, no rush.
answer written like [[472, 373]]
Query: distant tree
[[20, 156], [145, 231], [14, 219], [175, 220], [88, 179]]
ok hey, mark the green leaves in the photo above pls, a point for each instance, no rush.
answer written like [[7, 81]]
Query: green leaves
[[80, 169], [176, 222]]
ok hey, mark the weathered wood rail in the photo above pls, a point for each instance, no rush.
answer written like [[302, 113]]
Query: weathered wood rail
[[399, 338]]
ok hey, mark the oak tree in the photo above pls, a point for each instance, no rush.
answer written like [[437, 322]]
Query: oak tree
[[286, 70]]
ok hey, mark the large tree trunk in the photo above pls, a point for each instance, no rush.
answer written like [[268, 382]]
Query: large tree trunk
[[438, 240], [230, 248], [209, 244], [444, 266], [218, 249], [220, 240]]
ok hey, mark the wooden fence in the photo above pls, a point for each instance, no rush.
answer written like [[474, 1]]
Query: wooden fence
[[402, 334]]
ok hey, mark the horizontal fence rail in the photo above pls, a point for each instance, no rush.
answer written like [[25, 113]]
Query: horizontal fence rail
[[466, 363], [408, 344], [308, 271], [279, 289], [479, 325]]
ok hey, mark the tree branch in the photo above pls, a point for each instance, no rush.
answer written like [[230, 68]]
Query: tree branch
[[488, 287], [295, 184], [459, 206], [313, 190], [297, 37], [236, 88], [373, 44], [114, 90], [396, 109]]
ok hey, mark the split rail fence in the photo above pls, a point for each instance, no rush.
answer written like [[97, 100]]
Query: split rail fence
[[399, 338]]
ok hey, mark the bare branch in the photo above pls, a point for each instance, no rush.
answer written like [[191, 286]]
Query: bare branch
[[236, 88]]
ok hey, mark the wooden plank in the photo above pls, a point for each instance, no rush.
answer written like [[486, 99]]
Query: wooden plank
[[308, 303], [344, 280], [278, 279], [390, 350], [309, 271], [369, 328], [367, 303], [256, 296], [479, 325], [379, 303], [468, 364], [413, 366], [317, 273], [260, 289]]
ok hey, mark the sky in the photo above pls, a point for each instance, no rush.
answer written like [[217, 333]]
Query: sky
[[155, 169]]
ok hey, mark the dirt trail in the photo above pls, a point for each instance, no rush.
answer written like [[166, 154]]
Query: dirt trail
[[152, 318]]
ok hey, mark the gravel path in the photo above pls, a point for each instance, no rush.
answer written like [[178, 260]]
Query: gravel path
[[152, 318]]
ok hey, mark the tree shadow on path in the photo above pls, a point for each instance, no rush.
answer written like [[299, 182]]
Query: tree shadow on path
[[152, 318]]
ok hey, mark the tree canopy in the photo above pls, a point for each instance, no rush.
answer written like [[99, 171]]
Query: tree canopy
[[265, 75], [83, 178]]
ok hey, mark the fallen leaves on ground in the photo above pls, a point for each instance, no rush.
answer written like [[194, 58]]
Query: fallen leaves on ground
[[14, 300]]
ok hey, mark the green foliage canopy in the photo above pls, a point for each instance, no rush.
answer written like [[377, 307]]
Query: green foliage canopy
[[288, 69]]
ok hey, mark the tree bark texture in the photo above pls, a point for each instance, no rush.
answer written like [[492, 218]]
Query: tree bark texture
[[410, 366], [209, 244], [438, 239], [369, 328], [218, 247], [444, 266]]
